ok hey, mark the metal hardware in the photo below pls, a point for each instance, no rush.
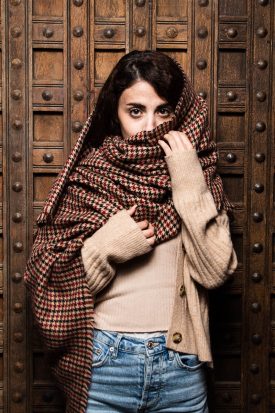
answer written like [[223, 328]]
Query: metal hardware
[[261, 31], [232, 32], [172, 32], [203, 3], [78, 95], [261, 96], [18, 337], [256, 398], [17, 307], [78, 31], [202, 32], [140, 3], [259, 157], [78, 64], [17, 246], [257, 247], [48, 157], [262, 64], [257, 217], [16, 63], [48, 32], [78, 3], [109, 33], [47, 95], [256, 277], [17, 124], [17, 217], [16, 94], [16, 31], [16, 157], [260, 126], [231, 96], [201, 64], [231, 157], [17, 277], [77, 126], [256, 307], [140, 31], [17, 186], [203, 94], [256, 339], [254, 368]]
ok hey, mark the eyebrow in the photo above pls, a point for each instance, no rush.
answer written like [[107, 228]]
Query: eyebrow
[[140, 106]]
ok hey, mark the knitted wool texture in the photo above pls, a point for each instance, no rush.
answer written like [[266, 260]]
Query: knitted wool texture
[[93, 185]]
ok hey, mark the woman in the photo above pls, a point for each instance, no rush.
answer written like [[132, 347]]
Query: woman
[[134, 232]]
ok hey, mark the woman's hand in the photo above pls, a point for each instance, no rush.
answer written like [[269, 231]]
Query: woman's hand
[[146, 227], [175, 142]]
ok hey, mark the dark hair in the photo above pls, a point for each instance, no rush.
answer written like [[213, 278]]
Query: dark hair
[[156, 68]]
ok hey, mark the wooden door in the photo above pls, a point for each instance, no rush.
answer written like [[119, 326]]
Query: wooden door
[[55, 57]]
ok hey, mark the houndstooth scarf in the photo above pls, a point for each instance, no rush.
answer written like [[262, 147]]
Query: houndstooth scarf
[[93, 185]]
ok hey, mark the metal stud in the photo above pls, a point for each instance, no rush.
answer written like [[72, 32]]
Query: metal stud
[[226, 397], [259, 157], [48, 32], [16, 157], [47, 95], [48, 396], [256, 307], [263, 2], [231, 157], [262, 64], [172, 32], [203, 94], [261, 32], [254, 368], [140, 3], [256, 277], [18, 337], [256, 339], [257, 217], [109, 33], [17, 397], [15, 2], [256, 398], [257, 247], [231, 96], [17, 277], [232, 32], [16, 94], [17, 187], [202, 32], [16, 31], [17, 124], [259, 188], [76, 126], [17, 217], [78, 95], [78, 3], [201, 64], [17, 246], [78, 31], [18, 367], [48, 157], [260, 126], [261, 96], [16, 63], [203, 3], [78, 64], [17, 307], [140, 31]]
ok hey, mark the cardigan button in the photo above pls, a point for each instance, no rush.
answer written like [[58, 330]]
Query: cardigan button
[[182, 290], [177, 337]]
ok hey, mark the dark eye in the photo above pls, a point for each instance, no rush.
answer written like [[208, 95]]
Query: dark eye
[[165, 112], [135, 112]]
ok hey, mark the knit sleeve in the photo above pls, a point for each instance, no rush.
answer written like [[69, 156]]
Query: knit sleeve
[[205, 231]]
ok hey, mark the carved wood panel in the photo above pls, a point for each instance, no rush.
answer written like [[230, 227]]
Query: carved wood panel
[[55, 58]]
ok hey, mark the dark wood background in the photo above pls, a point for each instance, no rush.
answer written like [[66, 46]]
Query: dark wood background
[[55, 57]]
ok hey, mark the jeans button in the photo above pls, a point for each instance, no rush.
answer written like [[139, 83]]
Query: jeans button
[[177, 337]]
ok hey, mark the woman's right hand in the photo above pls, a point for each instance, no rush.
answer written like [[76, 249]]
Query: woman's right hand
[[146, 227]]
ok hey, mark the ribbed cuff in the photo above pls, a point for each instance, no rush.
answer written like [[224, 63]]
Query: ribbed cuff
[[186, 173]]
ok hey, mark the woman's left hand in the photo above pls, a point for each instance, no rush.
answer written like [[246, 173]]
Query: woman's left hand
[[175, 142]]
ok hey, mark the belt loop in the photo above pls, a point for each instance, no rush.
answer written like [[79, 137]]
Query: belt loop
[[116, 343]]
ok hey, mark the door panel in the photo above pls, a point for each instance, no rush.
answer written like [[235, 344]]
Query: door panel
[[55, 58]]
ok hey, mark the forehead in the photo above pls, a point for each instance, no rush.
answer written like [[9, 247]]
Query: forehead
[[141, 92]]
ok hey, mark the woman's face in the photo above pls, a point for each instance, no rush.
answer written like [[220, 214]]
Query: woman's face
[[140, 108]]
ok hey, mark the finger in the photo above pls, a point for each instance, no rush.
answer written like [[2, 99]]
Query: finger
[[148, 233], [143, 224], [172, 140], [151, 240], [132, 210], [165, 147]]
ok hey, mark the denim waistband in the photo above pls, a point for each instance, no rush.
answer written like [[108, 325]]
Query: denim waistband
[[120, 341]]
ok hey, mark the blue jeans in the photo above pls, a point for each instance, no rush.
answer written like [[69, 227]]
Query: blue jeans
[[131, 375]]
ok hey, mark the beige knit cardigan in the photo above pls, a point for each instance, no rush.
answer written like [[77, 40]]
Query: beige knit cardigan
[[205, 254]]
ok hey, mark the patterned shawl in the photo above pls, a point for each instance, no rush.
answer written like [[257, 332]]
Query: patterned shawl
[[93, 185]]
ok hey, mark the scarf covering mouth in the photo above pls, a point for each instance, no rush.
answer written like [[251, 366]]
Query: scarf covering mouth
[[93, 185]]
